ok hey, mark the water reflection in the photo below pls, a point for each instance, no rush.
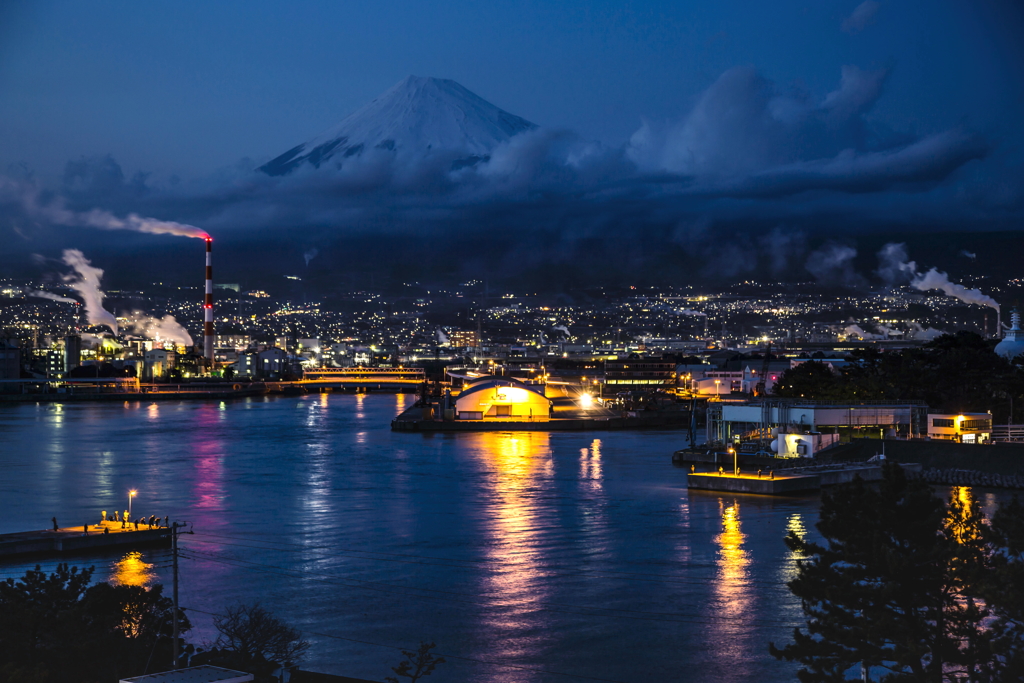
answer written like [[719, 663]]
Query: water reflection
[[209, 488], [590, 464], [733, 596], [132, 570], [960, 520], [794, 525], [518, 465]]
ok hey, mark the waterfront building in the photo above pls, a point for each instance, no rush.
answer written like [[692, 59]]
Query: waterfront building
[[502, 398], [766, 420], [965, 428]]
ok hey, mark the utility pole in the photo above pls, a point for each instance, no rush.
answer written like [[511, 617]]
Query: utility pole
[[174, 636], [174, 619]]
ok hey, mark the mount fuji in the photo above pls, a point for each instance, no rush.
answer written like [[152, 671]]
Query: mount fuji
[[418, 117]]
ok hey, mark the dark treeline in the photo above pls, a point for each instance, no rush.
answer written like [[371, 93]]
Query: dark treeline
[[953, 373], [63, 627]]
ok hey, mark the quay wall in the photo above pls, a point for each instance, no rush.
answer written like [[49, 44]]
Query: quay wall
[[63, 542]]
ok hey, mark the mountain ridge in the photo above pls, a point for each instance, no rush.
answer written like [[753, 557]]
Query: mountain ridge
[[417, 116]]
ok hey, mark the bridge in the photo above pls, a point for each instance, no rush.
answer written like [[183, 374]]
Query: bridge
[[359, 379]]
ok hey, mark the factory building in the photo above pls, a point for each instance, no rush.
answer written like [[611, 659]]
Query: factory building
[[10, 359], [639, 373], [1012, 344], [159, 363]]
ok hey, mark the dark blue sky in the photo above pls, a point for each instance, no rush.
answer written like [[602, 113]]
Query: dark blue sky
[[187, 87], [738, 135]]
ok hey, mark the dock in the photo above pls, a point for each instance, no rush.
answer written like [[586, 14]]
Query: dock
[[70, 540], [788, 481]]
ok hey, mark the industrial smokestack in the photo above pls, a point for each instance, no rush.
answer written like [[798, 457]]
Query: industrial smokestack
[[208, 304]]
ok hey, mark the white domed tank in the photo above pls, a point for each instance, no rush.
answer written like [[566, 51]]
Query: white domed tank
[[1013, 341]]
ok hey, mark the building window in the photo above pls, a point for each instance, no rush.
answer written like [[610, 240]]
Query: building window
[[943, 422], [976, 424]]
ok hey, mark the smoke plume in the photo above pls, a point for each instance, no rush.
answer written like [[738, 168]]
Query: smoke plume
[[310, 255], [833, 265], [86, 282], [165, 329]]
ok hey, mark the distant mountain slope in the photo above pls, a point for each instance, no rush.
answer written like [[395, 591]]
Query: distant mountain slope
[[418, 116]]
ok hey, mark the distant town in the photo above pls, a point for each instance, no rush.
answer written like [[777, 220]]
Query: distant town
[[260, 335]]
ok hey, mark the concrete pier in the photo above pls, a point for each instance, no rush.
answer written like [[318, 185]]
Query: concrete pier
[[790, 480], [76, 539]]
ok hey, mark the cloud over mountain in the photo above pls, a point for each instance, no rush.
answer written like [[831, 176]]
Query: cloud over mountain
[[430, 159]]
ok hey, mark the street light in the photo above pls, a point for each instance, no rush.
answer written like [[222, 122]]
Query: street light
[[131, 494], [735, 464]]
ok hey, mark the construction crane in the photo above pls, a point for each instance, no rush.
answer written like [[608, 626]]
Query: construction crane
[[759, 388]]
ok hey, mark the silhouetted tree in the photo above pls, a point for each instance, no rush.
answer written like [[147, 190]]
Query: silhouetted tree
[[417, 664], [57, 627], [894, 588], [256, 634]]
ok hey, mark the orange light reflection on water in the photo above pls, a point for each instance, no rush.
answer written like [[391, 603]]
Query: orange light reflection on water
[[518, 464], [132, 570], [733, 597]]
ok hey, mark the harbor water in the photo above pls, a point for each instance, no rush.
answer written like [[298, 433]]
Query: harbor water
[[526, 556]]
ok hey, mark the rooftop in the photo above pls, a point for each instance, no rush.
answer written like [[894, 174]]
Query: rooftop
[[194, 674]]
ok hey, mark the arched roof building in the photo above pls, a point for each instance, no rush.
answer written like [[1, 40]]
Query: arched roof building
[[501, 398]]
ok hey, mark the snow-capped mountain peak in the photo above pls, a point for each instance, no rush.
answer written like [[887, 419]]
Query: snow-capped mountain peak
[[417, 116]]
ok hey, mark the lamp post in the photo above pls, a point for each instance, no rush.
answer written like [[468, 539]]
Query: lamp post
[[131, 494], [735, 463]]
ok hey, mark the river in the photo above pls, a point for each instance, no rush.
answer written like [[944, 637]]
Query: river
[[525, 556]]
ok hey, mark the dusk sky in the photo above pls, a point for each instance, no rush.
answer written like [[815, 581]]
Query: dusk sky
[[774, 112]]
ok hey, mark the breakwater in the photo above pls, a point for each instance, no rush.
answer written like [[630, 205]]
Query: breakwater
[[959, 477]]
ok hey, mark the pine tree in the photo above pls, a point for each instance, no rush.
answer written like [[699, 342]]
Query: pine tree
[[890, 595]]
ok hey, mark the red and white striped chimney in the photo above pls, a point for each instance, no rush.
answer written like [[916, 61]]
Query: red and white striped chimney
[[208, 304]]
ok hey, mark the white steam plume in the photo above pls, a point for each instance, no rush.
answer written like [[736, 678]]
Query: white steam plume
[[687, 311], [894, 267], [562, 328], [43, 294], [935, 279], [442, 338], [98, 218], [87, 284], [858, 331], [310, 255], [165, 329]]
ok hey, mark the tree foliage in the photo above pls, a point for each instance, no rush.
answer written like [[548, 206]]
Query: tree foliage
[[416, 665], [905, 587], [60, 626], [953, 373], [256, 635]]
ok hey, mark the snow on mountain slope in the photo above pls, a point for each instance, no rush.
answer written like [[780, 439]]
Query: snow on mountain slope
[[418, 116]]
